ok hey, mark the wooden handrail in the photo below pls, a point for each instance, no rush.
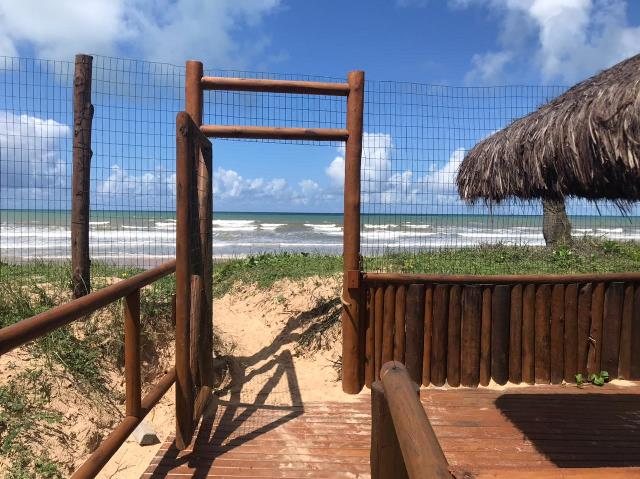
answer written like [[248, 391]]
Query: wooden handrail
[[275, 86], [403, 443], [402, 278], [32, 328], [136, 407]]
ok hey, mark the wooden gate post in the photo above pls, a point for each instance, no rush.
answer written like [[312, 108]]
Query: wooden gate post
[[352, 294], [82, 119]]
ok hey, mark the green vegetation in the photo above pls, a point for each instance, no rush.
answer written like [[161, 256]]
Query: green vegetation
[[585, 256], [597, 379]]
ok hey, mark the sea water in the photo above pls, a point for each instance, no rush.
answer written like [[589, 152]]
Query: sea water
[[145, 238]]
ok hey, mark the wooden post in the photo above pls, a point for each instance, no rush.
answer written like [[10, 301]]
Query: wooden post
[[82, 119], [352, 364], [132, 354], [386, 455]]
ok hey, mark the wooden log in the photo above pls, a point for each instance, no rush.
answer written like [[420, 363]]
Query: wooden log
[[195, 327], [388, 323], [386, 456], [557, 334], [485, 337], [570, 332], [428, 327], [275, 133], [471, 330], [81, 176], [528, 334], [275, 86], [379, 315], [635, 336], [584, 326], [500, 310], [439, 335], [423, 456], [369, 362], [453, 335], [543, 334], [399, 329], [352, 380], [612, 322], [414, 315], [624, 366], [594, 357], [515, 335]]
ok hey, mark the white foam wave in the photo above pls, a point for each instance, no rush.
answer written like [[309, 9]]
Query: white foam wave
[[325, 229], [271, 226], [98, 223]]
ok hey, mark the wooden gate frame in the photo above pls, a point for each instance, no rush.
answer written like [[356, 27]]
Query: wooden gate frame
[[352, 295]]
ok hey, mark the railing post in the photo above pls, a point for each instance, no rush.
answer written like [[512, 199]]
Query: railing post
[[82, 119], [386, 455], [184, 383], [132, 354], [352, 350]]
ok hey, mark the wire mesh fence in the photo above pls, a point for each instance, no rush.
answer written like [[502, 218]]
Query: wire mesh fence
[[415, 138]]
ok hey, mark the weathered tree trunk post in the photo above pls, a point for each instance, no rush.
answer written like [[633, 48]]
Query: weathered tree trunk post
[[556, 227], [352, 292], [82, 120]]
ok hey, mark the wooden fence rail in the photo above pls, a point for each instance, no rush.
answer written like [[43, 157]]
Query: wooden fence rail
[[520, 329], [137, 407], [403, 444]]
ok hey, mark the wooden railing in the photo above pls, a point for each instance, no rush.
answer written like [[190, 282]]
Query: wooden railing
[[467, 330], [136, 407], [403, 444]]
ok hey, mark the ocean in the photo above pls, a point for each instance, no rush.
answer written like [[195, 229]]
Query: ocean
[[148, 238]]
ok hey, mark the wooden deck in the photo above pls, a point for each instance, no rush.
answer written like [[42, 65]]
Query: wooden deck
[[530, 432]]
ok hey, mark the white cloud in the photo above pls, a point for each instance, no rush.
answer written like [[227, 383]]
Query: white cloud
[[572, 39], [165, 30], [30, 152], [123, 188]]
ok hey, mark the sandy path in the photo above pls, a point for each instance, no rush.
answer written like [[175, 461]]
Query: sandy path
[[266, 365]]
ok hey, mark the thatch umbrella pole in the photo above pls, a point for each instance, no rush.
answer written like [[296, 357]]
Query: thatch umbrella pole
[[556, 227]]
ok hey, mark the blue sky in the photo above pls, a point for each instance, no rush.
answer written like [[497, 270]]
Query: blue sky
[[455, 42]]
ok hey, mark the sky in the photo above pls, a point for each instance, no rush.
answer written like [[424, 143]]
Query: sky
[[466, 43]]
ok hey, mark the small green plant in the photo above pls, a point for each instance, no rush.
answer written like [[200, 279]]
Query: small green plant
[[597, 379]]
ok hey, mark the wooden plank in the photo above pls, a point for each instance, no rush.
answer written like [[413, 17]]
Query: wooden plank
[[500, 311], [399, 330], [415, 331], [584, 326], [379, 313], [471, 330], [612, 322], [369, 363], [543, 334], [635, 335], [570, 332], [528, 333], [485, 337], [439, 335], [557, 334], [453, 336], [388, 323], [274, 133], [428, 327], [624, 366], [594, 357], [515, 335]]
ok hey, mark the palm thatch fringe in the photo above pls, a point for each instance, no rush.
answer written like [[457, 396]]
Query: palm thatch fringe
[[584, 143]]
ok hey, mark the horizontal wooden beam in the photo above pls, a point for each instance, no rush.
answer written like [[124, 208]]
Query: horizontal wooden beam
[[400, 278], [274, 133], [275, 86]]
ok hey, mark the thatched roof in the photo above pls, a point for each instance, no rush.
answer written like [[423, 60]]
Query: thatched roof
[[584, 143]]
